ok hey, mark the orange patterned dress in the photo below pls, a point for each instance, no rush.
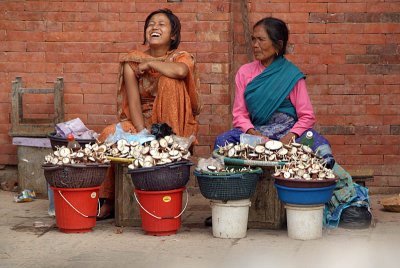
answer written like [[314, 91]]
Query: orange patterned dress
[[163, 100]]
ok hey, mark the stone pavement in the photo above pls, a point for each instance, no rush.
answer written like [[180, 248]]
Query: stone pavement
[[29, 238]]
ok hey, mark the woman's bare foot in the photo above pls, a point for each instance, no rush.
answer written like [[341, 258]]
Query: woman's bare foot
[[106, 210]]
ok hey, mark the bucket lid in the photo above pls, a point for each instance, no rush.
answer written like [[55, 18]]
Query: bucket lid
[[231, 203]]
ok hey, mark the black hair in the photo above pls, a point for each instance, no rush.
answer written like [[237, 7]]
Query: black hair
[[175, 26], [277, 31]]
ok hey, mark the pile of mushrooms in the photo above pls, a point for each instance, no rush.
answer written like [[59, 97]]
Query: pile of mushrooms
[[300, 161], [91, 153], [156, 152]]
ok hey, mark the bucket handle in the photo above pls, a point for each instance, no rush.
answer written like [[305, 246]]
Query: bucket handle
[[168, 217], [98, 201]]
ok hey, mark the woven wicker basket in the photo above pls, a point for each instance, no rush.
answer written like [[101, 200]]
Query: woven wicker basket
[[228, 186], [161, 178], [75, 176]]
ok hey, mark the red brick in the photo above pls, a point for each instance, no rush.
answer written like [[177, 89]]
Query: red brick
[[316, 89], [382, 89], [382, 28], [391, 79], [355, 49], [346, 90], [79, 6], [206, 140], [12, 67], [84, 88], [202, 151], [380, 150], [213, 16], [206, 110], [220, 89], [73, 98], [383, 7], [117, 7], [212, 119], [99, 99], [346, 69], [392, 158], [81, 68], [204, 130], [221, 110], [391, 119], [221, 128], [383, 109], [260, 6], [83, 117], [345, 28], [109, 88], [363, 159], [326, 79], [11, 6], [101, 119], [336, 139], [313, 68], [364, 139], [346, 7], [373, 130], [326, 17], [308, 7], [346, 149], [342, 109], [364, 79]]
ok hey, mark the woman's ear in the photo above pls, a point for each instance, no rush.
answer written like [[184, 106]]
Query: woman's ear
[[280, 43]]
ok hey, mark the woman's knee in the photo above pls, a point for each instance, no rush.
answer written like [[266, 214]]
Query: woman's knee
[[167, 85]]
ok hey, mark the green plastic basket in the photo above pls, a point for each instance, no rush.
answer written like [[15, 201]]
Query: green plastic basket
[[228, 186]]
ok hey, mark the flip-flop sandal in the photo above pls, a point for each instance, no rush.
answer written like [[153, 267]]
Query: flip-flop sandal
[[109, 215]]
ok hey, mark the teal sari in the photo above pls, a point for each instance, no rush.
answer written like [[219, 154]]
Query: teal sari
[[267, 93]]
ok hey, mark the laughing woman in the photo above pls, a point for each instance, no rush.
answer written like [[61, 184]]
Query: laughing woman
[[158, 85]]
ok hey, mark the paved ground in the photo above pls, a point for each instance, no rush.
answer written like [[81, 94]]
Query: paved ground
[[29, 238]]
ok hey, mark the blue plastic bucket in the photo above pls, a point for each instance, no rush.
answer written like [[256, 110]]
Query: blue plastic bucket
[[305, 196]]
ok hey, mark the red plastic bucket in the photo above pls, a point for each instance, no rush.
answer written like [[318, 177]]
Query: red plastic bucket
[[76, 208], [161, 210]]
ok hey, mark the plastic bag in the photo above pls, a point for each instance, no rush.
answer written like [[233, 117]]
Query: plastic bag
[[355, 217], [203, 164], [184, 142], [160, 130], [119, 134], [252, 139], [25, 196]]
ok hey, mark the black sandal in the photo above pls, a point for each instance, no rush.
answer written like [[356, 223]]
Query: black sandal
[[208, 221]]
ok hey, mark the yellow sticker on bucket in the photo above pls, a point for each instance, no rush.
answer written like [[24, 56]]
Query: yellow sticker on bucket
[[166, 198], [93, 195]]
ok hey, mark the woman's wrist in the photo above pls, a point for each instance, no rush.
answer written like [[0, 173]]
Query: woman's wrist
[[251, 131]]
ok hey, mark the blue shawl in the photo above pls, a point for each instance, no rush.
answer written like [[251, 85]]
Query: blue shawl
[[267, 92]]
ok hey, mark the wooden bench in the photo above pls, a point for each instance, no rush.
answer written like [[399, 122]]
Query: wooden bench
[[266, 210], [127, 211], [361, 175]]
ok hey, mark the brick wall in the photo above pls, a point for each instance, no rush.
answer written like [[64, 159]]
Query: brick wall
[[348, 49]]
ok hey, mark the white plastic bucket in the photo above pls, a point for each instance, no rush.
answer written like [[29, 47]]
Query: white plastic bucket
[[229, 219], [304, 222]]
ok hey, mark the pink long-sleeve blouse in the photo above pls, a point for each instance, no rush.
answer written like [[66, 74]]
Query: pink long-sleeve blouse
[[298, 96]]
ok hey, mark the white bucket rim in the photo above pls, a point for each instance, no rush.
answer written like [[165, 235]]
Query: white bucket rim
[[231, 203]]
